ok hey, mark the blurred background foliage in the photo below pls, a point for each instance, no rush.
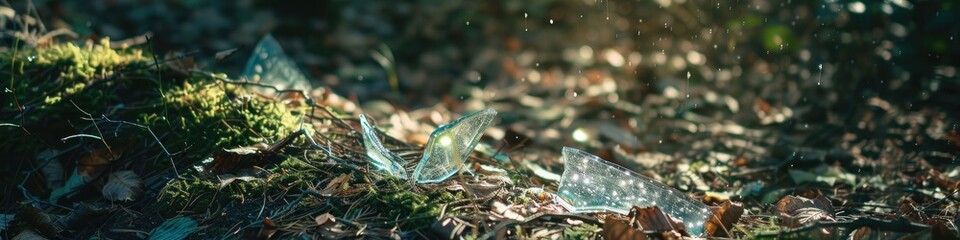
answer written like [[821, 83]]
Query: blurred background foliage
[[865, 48]]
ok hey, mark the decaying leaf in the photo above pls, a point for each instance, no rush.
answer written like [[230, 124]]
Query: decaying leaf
[[88, 168], [723, 218], [615, 228], [174, 229], [122, 186], [942, 181], [231, 160], [76, 180], [653, 219], [794, 211]]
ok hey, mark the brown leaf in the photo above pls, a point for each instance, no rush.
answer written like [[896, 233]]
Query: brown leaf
[[941, 229], [95, 163], [615, 228], [795, 211], [722, 221], [232, 160], [653, 219], [942, 181], [910, 211], [862, 233], [179, 64]]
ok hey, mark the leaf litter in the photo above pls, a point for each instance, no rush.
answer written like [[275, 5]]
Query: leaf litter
[[818, 178]]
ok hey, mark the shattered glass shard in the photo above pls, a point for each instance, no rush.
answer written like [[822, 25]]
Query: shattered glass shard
[[269, 65], [450, 145], [591, 184], [380, 156]]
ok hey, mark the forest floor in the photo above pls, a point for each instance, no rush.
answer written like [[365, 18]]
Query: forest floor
[[834, 126]]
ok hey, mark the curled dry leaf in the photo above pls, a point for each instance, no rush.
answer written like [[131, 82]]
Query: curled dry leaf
[[616, 228], [653, 219], [794, 211], [505, 212], [88, 168], [232, 160], [227, 179], [324, 219], [942, 181], [122, 186], [723, 218]]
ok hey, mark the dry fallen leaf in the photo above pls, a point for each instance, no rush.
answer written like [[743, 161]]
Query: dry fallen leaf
[[122, 186], [324, 219], [89, 167], [722, 221], [232, 160], [653, 219], [795, 211], [615, 228]]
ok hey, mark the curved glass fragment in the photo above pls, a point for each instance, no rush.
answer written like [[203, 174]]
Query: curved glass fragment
[[591, 184], [269, 65], [450, 145], [381, 158]]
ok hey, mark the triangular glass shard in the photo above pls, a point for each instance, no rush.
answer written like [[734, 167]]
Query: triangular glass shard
[[591, 184], [269, 65], [450, 145], [381, 158]]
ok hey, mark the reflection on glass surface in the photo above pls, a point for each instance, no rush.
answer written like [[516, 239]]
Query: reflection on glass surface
[[591, 184], [450, 145]]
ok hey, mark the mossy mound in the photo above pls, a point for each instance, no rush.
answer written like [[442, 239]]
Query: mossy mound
[[116, 94]]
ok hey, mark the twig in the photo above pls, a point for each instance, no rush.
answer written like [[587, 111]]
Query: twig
[[152, 134], [95, 126]]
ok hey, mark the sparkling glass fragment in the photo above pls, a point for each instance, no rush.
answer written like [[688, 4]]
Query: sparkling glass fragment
[[269, 65], [450, 145], [591, 184], [381, 158]]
